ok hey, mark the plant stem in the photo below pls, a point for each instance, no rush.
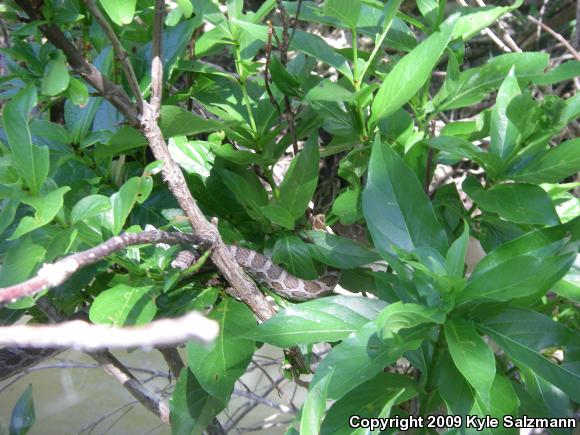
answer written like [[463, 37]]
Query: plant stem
[[389, 15], [429, 385], [357, 82], [245, 90], [356, 78]]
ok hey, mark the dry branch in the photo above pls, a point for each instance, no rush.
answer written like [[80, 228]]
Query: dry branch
[[120, 52], [52, 275], [84, 336]]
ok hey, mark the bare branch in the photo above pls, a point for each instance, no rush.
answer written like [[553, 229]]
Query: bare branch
[[109, 90], [172, 359], [80, 335], [52, 275], [156, 62], [557, 36], [502, 28], [118, 371], [119, 51]]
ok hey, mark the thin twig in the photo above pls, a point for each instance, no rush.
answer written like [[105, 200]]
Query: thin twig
[[267, 70], [296, 17], [52, 275], [505, 35], [557, 36], [80, 335], [120, 52]]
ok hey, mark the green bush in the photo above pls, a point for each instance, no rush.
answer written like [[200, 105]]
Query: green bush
[[424, 335]]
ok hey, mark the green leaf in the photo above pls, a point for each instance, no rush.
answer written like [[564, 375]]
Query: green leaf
[[218, 366], [472, 20], [503, 401], [338, 251], [8, 209], [452, 386], [307, 43], [516, 278], [455, 260], [56, 77], [278, 215], [23, 416], [192, 407], [321, 320], [300, 181], [471, 355], [136, 189], [31, 160], [347, 206], [193, 156], [411, 73], [186, 7], [327, 90], [20, 261], [89, 206], [362, 355], [503, 133], [538, 243], [345, 11], [78, 92], [368, 399], [247, 189], [475, 83], [567, 289], [525, 334], [396, 208], [239, 157], [515, 202], [552, 166], [314, 406], [399, 316], [123, 305], [176, 121], [283, 80], [121, 12], [564, 71], [46, 207], [292, 252]]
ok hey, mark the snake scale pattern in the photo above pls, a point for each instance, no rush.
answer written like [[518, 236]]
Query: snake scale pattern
[[268, 273]]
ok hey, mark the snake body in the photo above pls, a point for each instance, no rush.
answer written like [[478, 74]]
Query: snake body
[[268, 273]]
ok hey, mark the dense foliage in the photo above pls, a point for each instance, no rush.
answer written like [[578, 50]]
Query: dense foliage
[[423, 334]]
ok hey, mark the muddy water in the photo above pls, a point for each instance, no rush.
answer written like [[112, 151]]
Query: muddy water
[[87, 400]]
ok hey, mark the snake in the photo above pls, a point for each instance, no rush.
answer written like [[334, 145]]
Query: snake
[[270, 275], [279, 280]]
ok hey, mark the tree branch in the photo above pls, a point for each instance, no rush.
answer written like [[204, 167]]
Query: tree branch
[[120, 52], [80, 335], [52, 275], [556, 35]]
